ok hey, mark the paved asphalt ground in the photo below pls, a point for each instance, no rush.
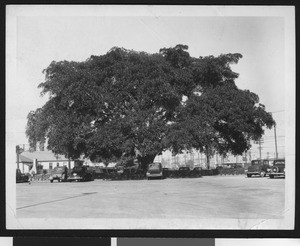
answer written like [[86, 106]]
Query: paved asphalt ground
[[206, 197]]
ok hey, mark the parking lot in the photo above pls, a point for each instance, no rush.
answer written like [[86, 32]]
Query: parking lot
[[207, 197]]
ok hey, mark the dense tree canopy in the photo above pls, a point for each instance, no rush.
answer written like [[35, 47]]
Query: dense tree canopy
[[125, 104]]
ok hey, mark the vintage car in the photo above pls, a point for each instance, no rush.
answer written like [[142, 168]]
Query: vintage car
[[21, 177], [60, 174], [167, 172], [155, 170], [278, 169], [81, 173], [196, 172], [258, 167], [170, 173], [183, 172]]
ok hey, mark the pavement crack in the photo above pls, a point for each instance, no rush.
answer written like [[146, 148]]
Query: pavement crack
[[58, 200]]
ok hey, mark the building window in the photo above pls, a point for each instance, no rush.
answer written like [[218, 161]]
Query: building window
[[39, 169], [50, 165], [57, 164]]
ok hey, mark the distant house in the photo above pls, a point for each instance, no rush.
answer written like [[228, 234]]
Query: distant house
[[46, 160], [25, 164]]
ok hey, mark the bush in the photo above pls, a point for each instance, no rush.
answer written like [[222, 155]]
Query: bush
[[232, 171], [209, 172]]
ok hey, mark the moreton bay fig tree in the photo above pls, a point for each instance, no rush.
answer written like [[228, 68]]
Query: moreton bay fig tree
[[127, 104]]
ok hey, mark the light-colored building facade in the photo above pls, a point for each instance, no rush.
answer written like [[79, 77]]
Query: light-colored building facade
[[46, 160], [195, 158]]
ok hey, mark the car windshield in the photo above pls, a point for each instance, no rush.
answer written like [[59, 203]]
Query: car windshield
[[257, 162], [184, 168], [154, 166], [279, 162], [77, 169]]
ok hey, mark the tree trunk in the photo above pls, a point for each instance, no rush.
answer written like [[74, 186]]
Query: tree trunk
[[207, 157], [145, 161], [207, 160]]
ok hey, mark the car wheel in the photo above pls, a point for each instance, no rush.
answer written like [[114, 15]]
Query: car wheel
[[249, 175], [51, 181], [271, 176]]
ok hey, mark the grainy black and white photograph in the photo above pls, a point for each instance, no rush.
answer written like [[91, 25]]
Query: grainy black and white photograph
[[150, 117]]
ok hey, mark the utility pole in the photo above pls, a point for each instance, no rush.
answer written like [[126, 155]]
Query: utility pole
[[259, 149], [275, 142], [18, 152], [259, 143]]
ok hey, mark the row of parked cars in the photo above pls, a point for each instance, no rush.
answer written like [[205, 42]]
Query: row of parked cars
[[154, 171], [263, 168], [79, 173], [61, 174]]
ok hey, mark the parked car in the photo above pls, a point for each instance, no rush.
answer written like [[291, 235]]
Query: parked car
[[128, 173], [155, 170], [167, 172], [258, 167], [170, 173], [278, 169], [81, 173], [196, 172], [183, 172], [59, 173], [219, 167], [21, 177]]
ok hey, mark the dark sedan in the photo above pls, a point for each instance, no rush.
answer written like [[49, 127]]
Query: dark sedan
[[278, 169], [59, 173], [81, 173], [21, 177]]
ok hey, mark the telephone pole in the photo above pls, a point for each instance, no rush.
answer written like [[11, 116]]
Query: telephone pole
[[260, 141], [18, 152], [276, 151]]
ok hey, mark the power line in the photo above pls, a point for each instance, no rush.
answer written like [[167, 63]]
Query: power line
[[278, 111], [273, 147], [270, 136]]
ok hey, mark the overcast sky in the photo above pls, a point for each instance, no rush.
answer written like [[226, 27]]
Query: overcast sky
[[41, 38]]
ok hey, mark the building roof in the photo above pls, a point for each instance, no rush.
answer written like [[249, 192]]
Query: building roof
[[42, 156], [24, 159]]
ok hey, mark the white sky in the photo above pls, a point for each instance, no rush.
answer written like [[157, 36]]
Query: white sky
[[46, 34]]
